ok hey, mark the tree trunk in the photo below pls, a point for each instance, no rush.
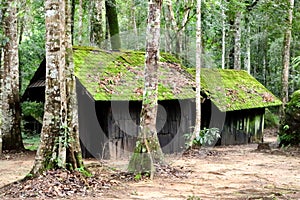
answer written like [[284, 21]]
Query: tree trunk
[[72, 15], [1, 91], [286, 57], [96, 23], [113, 24], [197, 127], [80, 17], [1, 78], [237, 41], [148, 150], [178, 27], [11, 126], [74, 156], [134, 26], [248, 45], [59, 146], [223, 37]]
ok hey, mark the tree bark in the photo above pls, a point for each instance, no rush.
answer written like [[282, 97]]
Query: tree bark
[[11, 110], [113, 24], [1, 91], [80, 17], [237, 41], [134, 25], [96, 23], [148, 150], [59, 147], [286, 57], [197, 127], [223, 37], [74, 156], [248, 45]]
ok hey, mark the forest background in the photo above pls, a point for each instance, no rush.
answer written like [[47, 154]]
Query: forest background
[[235, 34]]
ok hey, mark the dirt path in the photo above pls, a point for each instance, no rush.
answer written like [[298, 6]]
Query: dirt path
[[239, 174], [232, 172]]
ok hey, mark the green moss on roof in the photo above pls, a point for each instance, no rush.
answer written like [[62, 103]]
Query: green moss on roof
[[235, 90], [109, 75]]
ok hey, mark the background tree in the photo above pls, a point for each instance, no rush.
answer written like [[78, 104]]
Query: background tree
[[59, 146], [113, 24], [197, 127], [10, 106], [148, 151], [96, 35], [286, 55]]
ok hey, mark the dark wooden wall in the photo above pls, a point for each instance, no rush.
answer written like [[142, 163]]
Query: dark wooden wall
[[120, 122], [92, 136], [242, 127], [237, 127]]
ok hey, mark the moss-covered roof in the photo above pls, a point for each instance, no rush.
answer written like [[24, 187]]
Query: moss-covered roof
[[233, 90], [118, 75]]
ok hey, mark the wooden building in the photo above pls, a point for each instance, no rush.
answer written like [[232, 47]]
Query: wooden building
[[110, 87], [235, 102]]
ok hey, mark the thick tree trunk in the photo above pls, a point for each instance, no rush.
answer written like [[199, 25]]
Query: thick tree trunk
[[286, 57], [237, 41], [74, 156], [148, 150], [59, 146], [96, 37], [11, 126], [113, 24], [45, 157]]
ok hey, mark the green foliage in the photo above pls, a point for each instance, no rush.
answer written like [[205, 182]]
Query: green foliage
[[289, 133], [32, 46], [271, 119], [295, 72], [32, 108], [207, 136], [138, 177]]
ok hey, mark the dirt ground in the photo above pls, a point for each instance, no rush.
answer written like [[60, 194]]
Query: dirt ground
[[230, 172]]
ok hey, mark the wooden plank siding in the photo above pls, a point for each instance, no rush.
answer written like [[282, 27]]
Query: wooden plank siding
[[242, 127], [123, 117]]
